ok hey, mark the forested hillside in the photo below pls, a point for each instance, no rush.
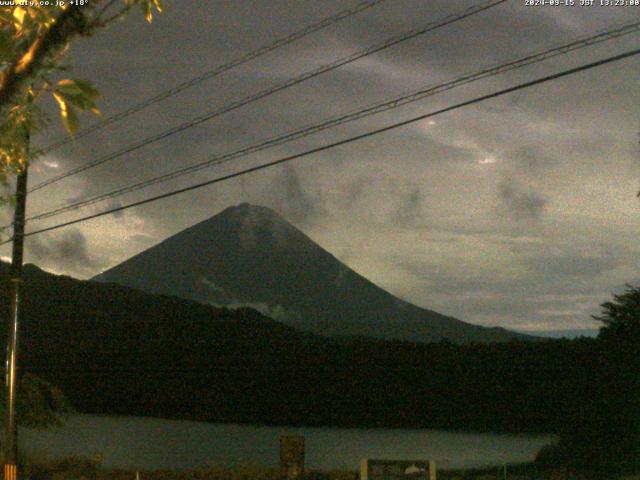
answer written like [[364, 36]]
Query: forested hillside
[[116, 350]]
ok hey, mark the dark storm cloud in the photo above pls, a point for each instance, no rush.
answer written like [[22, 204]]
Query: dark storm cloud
[[520, 202], [532, 160], [410, 210], [65, 251], [294, 202], [380, 198], [115, 203]]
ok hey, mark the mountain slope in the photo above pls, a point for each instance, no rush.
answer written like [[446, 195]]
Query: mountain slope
[[117, 350], [250, 255]]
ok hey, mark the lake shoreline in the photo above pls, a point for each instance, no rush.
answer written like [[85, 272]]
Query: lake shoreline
[[321, 425], [141, 443], [74, 467]]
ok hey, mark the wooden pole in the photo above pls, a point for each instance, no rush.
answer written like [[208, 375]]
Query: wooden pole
[[11, 375]]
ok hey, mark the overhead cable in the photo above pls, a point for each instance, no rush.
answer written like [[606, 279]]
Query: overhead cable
[[414, 96], [274, 89], [281, 42], [355, 138]]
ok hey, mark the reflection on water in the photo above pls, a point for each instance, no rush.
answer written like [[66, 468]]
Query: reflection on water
[[146, 443]]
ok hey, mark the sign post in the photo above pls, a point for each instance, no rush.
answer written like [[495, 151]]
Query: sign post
[[292, 456]]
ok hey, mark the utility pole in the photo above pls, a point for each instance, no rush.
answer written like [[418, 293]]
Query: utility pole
[[11, 374]]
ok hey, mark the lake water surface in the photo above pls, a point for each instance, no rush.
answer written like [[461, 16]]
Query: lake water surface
[[147, 443]]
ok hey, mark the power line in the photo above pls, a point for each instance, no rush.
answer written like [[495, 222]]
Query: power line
[[277, 88], [281, 42], [606, 35], [371, 133], [274, 89]]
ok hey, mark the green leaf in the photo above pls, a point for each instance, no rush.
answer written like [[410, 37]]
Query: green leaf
[[87, 88], [6, 17], [78, 93], [70, 120], [146, 10], [6, 46], [19, 16], [69, 87], [68, 115]]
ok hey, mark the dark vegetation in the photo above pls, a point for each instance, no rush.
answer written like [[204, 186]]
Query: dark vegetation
[[78, 468], [116, 350], [601, 436]]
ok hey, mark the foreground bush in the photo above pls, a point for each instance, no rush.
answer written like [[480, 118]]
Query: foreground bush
[[75, 468], [82, 469]]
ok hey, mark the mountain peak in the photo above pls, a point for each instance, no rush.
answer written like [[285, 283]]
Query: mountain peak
[[246, 208], [250, 255], [249, 214]]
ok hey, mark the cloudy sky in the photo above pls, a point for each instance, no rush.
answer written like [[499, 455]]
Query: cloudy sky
[[520, 211]]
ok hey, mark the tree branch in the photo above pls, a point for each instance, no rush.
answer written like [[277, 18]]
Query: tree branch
[[103, 22], [15, 79]]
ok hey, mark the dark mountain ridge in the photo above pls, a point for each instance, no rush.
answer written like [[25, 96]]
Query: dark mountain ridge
[[250, 255], [117, 350]]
